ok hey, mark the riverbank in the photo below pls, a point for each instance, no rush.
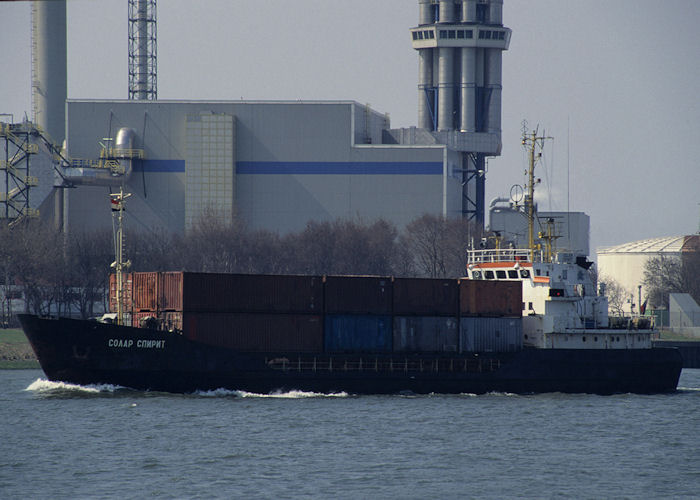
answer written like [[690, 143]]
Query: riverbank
[[15, 351]]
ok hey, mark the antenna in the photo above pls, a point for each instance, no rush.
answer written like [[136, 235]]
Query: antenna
[[117, 204]]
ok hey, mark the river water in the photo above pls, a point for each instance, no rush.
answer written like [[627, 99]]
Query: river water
[[60, 441]]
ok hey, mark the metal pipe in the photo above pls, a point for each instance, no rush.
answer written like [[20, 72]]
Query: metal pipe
[[468, 87], [425, 82], [425, 12], [122, 153], [469, 11], [494, 58], [446, 88], [447, 11], [496, 12]]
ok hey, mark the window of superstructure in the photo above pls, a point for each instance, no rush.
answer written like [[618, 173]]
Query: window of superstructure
[[524, 273], [487, 35], [469, 34], [443, 33], [451, 34], [501, 35], [415, 35], [512, 273], [501, 274], [460, 33], [488, 275], [482, 35], [430, 34]]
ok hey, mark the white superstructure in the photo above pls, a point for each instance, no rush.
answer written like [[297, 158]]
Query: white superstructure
[[561, 307]]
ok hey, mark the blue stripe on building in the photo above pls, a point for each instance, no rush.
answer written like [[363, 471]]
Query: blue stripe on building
[[305, 168], [338, 168]]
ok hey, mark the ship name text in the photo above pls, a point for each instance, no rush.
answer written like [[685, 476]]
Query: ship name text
[[140, 343]]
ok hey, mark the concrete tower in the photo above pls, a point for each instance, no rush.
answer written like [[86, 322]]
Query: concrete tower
[[460, 45], [49, 81]]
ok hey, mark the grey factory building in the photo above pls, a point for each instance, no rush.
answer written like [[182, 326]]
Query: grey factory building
[[274, 164]]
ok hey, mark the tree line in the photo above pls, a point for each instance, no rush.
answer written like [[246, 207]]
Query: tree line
[[61, 274]]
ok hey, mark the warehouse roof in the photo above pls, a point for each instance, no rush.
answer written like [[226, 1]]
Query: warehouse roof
[[669, 244]]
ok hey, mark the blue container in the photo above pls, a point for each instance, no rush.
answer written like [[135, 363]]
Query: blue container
[[357, 333], [490, 334]]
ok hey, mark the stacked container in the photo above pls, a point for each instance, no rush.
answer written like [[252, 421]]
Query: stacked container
[[490, 316], [333, 314], [358, 313], [425, 315]]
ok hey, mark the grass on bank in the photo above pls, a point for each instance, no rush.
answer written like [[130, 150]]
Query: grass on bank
[[14, 344]]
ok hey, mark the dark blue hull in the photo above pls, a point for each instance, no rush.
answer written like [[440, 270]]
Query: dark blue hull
[[86, 352]]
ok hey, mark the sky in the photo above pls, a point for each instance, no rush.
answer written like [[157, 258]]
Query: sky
[[614, 82]]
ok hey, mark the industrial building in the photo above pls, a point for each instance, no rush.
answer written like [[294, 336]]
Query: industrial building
[[625, 263], [276, 165]]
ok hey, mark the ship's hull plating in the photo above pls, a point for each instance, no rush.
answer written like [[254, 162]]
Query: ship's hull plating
[[86, 352]]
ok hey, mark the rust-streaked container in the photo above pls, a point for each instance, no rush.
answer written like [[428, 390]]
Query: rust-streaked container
[[358, 295], [145, 294], [490, 298], [170, 291], [205, 292], [128, 291], [256, 332], [425, 297], [426, 334]]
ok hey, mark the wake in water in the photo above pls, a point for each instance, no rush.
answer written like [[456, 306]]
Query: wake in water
[[48, 388], [217, 393]]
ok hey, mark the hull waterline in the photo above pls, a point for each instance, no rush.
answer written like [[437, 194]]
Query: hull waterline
[[87, 352]]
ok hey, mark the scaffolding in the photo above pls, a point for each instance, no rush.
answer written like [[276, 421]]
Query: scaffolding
[[18, 149], [142, 50]]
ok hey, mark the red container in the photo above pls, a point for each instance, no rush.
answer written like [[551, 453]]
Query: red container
[[145, 291], [276, 333], [128, 291], [358, 295], [170, 291], [249, 293], [490, 298], [426, 297]]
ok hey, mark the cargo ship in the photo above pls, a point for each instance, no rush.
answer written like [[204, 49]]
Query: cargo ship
[[521, 321]]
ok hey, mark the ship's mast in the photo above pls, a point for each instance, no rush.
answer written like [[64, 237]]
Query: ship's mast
[[117, 203], [532, 142]]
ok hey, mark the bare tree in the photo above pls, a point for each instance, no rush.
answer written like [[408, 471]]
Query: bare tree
[[90, 255], [439, 245], [617, 295], [665, 275]]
